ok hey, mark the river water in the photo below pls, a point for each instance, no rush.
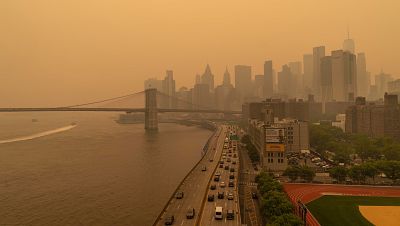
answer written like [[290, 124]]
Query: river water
[[94, 172]]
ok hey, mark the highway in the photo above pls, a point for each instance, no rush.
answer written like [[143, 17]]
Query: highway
[[195, 185], [208, 213]]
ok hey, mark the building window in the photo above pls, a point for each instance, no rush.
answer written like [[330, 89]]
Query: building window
[[270, 160], [280, 160]]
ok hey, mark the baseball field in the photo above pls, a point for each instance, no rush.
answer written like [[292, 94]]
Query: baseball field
[[347, 205], [355, 210]]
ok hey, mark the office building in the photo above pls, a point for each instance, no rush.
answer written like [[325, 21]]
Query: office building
[[268, 79], [201, 97], [381, 82], [344, 76], [363, 79], [318, 53], [326, 79], [297, 74], [208, 78], [243, 82], [308, 73]]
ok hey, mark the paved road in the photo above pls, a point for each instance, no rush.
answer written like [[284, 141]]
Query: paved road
[[249, 207], [195, 185], [208, 213]]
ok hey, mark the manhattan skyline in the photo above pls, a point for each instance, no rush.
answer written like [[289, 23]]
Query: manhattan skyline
[[110, 48]]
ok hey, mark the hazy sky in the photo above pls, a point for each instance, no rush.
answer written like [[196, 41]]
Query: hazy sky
[[57, 52]]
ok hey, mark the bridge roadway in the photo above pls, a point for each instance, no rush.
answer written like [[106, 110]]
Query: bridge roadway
[[160, 110], [195, 185]]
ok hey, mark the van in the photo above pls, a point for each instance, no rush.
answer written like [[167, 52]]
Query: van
[[218, 213]]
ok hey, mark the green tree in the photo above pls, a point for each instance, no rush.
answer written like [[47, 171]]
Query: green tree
[[274, 204], [287, 219], [369, 169], [364, 147], [357, 174], [339, 173], [246, 139], [390, 168], [307, 173], [292, 172]]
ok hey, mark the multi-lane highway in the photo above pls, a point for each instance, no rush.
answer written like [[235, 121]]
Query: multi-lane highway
[[227, 161], [196, 187]]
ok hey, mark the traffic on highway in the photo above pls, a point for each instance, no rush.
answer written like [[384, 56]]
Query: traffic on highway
[[208, 195]]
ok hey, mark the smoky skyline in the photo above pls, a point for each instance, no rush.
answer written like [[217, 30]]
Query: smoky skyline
[[55, 53]]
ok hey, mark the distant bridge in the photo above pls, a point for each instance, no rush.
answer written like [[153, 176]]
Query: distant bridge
[[151, 110], [128, 110]]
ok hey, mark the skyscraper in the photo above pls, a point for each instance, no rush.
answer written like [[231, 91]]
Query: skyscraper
[[381, 82], [348, 44], [344, 75], [168, 88], [362, 76], [198, 79], [227, 78], [297, 73], [318, 53], [308, 73], [286, 82], [208, 78], [326, 79], [243, 80], [268, 85], [201, 97], [258, 86]]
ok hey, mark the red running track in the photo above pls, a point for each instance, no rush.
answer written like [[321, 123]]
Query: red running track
[[309, 192]]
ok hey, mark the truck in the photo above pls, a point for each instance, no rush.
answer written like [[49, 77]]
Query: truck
[[218, 213]]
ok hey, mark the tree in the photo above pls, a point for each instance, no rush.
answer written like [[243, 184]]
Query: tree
[[364, 147], [274, 204], [307, 173], [292, 172], [339, 173], [369, 169], [390, 168], [357, 174], [287, 219]]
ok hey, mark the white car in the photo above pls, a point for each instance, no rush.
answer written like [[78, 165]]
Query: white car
[[222, 184]]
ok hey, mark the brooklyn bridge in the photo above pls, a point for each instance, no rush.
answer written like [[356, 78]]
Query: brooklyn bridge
[[154, 102]]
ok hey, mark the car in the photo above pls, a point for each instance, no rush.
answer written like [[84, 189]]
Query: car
[[255, 168], [169, 220], [179, 195], [232, 169], [216, 178], [234, 155], [226, 167], [190, 213], [218, 213], [222, 184], [230, 214], [213, 187], [221, 161], [254, 195], [204, 168], [211, 160], [228, 159], [220, 195], [230, 196], [231, 176], [210, 198], [221, 165], [234, 162], [231, 183]]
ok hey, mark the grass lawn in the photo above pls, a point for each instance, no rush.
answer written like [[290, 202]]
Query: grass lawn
[[333, 210]]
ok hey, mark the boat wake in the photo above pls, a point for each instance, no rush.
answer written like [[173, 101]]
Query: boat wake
[[37, 135]]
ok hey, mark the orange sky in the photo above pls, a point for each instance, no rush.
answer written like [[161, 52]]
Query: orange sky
[[57, 52]]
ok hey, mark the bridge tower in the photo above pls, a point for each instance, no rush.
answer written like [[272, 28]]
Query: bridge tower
[[150, 112]]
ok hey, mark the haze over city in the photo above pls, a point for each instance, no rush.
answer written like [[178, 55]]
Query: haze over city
[[54, 52]]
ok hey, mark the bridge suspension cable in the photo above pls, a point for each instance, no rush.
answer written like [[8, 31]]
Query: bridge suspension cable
[[102, 101]]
